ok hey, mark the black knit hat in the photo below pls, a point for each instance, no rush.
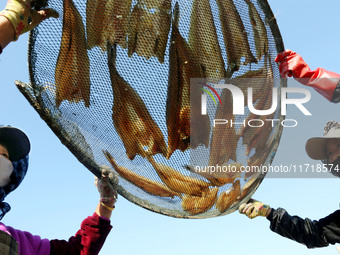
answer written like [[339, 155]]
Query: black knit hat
[[15, 141]]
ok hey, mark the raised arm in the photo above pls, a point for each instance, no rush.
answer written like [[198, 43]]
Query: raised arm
[[311, 233], [18, 18], [94, 229], [323, 81]]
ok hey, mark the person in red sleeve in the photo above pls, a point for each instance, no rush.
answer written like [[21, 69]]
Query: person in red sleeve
[[14, 150], [325, 82]]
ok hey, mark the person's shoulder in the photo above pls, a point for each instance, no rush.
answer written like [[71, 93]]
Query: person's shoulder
[[331, 218], [4, 228], [337, 212]]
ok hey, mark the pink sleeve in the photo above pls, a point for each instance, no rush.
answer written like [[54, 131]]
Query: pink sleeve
[[88, 240]]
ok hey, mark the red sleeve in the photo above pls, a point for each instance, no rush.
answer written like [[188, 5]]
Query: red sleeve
[[88, 240]]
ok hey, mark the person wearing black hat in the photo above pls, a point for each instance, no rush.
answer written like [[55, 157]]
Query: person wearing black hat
[[312, 233], [14, 150]]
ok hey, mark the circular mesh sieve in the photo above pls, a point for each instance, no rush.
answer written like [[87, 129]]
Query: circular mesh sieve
[[112, 80]]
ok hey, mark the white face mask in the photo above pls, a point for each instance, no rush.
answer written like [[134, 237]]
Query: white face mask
[[6, 169]]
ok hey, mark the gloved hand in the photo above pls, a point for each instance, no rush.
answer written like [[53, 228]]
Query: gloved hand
[[254, 208], [23, 18], [105, 188], [292, 65]]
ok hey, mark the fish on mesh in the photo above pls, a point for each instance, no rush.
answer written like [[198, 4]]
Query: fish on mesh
[[138, 131], [223, 144], [256, 137], [228, 197], [183, 104], [149, 29], [226, 177], [257, 160], [248, 186], [196, 205], [235, 36], [72, 72], [150, 186], [107, 20], [259, 31], [219, 179], [195, 34], [255, 79], [179, 182], [203, 40]]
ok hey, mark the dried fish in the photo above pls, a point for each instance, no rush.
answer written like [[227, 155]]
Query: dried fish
[[258, 159], [259, 31], [117, 22], [204, 41], [196, 205], [142, 33], [255, 162], [131, 118], [256, 137], [95, 23], [151, 4], [178, 182], [162, 25], [255, 79], [107, 20], [150, 186], [235, 35], [72, 74], [249, 186], [219, 178], [228, 177], [227, 198], [187, 128], [219, 182], [149, 29], [224, 138]]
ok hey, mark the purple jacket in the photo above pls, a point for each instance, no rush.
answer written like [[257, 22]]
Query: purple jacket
[[87, 241]]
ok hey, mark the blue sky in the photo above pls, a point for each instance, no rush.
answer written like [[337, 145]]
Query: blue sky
[[58, 192]]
